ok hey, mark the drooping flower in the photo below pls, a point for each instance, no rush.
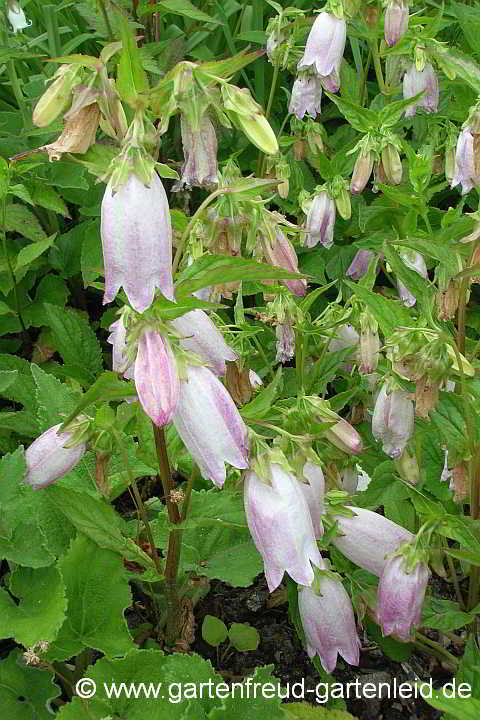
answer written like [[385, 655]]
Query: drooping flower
[[393, 421], [415, 261], [320, 221], [156, 377], [396, 21], [324, 49], [50, 457], [416, 81], [16, 16], [466, 173], [359, 265], [314, 492], [254, 379], [200, 152], [281, 253], [281, 527], [210, 425], [400, 597], [285, 345], [306, 96], [345, 336], [367, 538], [327, 618], [137, 241], [361, 173], [201, 336]]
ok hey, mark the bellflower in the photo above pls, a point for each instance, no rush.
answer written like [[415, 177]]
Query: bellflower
[[324, 49], [16, 17], [285, 346], [201, 336], [200, 152], [47, 458], [282, 254], [465, 173], [359, 265], [281, 527], [393, 420], [117, 339], [210, 425], [361, 172], [327, 618], [314, 492], [400, 597], [137, 241], [416, 81], [306, 96], [156, 378], [368, 538], [320, 220], [414, 261], [396, 21]]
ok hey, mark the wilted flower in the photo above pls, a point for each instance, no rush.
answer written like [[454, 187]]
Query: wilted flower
[[400, 597], [281, 527], [320, 221], [78, 134], [200, 152], [361, 172], [396, 21], [327, 618], [367, 538], [345, 336], [416, 81], [51, 456], [285, 346], [282, 254], [415, 261], [324, 49], [137, 241], [466, 172], [306, 96], [210, 425], [359, 265], [393, 420], [16, 16], [156, 377], [201, 336]]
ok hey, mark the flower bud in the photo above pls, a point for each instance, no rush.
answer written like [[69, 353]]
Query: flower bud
[[137, 241], [392, 165], [325, 46], [281, 527], [343, 203], [210, 425], [248, 116], [407, 466], [400, 597], [282, 254], [361, 172], [156, 377], [57, 97], [415, 82], [306, 96], [48, 458], [359, 265], [16, 16], [200, 152], [393, 420], [396, 21], [285, 346], [369, 344], [345, 437], [320, 220], [202, 337]]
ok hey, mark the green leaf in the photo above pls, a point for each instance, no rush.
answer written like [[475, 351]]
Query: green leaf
[[389, 314], [40, 611], [236, 708], [263, 401], [76, 342], [25, 690], [444, 615], [107, 387], [131, 77], [243, 637], [412, 279], [31, 252], [98, 593], [465, 555], [7, 378], [303, 711], [456, 707], [214, 630], [54, 399], [394, 649], [453, 62], [360, 118], [45, 196], [19, 219]]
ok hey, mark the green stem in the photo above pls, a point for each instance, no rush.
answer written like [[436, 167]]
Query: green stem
[[456, 584], [104, 12], [17, 91], [183, 239], [378, 68], [260, 349], [424, 643], [273, 87]]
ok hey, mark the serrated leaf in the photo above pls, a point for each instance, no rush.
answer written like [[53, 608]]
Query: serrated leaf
[[7, 378], [235, 708], [54, 399], [107, 387], [31, 252], [131, 77], [25, 690], [47, 197], [98, 594], [456, 707], [360, 118], [21, 220], [389, 314], [444, 615], [41, 606]]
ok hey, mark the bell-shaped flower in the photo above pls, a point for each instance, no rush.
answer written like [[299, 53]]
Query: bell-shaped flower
[[393, 420], [137, 241], [327, 619], [396, 21], [369, 349], [314, 492], [325, 47], [306, 96], [281, 527], [51, 456], [285, 345], [345, 336], [415, 261], [361, 173], [400, 597], [156, 377], [320, 220], [367, 538], [254, 379], [466, 173], [359, 265], [210, 425], [200, 335], [200, 152], [417, 81], [281, 253], [16, 16]]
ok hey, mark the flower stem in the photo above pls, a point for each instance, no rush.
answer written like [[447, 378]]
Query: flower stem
[[433, 648], [378, 68], [273, 87], [183, 239]]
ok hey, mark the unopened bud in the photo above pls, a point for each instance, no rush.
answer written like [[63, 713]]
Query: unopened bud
[[396, 21], [392, 164], [343, 204], [248, 116], [407, 466], [57, 97], [361, 172]]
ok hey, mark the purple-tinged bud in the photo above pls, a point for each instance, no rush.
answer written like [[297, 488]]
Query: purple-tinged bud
[[369, 344], [47, 458], [414, 82], [282, 254], [416, 262], [345, 437], [393, 421], [156, 377], [368, 538], [327, 618], [202, 337], [325, 45], [210, 425], [200, 152], [361, 172], [466, 173], [137, 241], [359, 265], [396, 21], [392, 165], [306, 96], [285, 345], [117, 338], [320, 221], [400, 597], [281, 527], [314, 493]]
